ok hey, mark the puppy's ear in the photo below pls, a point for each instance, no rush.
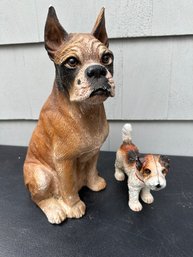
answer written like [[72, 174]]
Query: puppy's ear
[[135, 157], [139, 163], [99, 30], [132, 156], [54, 34], [165, 161]]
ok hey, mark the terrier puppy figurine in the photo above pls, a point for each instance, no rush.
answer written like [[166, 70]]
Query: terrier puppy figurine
[[72, 126], [144, 173]]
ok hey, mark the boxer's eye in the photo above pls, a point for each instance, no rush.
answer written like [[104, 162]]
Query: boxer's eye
[[164, 171], [71, 62], [107, 59], [147, 171]]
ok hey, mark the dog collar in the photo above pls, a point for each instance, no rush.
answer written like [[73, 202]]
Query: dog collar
[[138, 177]]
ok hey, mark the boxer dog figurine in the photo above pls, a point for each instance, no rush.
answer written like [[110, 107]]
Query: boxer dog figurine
[[144, 173], [72, 126]]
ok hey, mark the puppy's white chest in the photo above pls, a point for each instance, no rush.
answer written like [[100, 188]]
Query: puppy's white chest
[[134, 180]]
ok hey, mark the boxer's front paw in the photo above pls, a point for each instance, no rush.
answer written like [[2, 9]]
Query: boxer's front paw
[[76, 211], [53, 210], [97, 184]]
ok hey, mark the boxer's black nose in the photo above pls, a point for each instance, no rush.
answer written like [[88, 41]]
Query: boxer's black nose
[[158, 186], [96, 71]]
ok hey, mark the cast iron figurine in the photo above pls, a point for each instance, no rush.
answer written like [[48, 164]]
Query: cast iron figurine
[[144, 173], [72, 126]]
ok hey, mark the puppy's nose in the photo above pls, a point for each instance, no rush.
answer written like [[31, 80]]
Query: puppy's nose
[[96, 71], [158, 186]]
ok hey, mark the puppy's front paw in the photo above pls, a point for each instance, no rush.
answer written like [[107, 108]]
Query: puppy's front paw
[[135, 206], [147, 198], [119, 175], [77, 210]]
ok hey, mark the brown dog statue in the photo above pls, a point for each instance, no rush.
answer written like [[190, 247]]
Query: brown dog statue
[[72, 125]]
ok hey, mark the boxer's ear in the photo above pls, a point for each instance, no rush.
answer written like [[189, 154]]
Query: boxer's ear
[[99, 30], [54, 33]]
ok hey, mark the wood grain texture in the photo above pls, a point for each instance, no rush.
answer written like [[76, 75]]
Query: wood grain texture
[[23, 21]]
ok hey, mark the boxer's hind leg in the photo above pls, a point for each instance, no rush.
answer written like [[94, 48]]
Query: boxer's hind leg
[[43, 186]]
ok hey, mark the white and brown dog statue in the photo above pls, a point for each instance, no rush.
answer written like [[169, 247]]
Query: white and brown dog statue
[[144, 173]]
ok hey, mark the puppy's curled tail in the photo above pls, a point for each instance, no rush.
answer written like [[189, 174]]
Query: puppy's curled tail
[[126, 133]]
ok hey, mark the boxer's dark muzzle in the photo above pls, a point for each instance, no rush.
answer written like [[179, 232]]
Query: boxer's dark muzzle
[[96, 75]]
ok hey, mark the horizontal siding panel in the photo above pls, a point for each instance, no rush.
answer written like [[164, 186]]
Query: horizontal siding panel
[[23, 21], [18, 22], [123, 18], [153, 80], [16, 132], [146, 79], [114, 105], [173, 17], [26, 80], [181, 84], [150, 137], [156, 79], [27, 76], [168, 137]]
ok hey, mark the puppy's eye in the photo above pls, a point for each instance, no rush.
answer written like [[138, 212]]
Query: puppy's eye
[[147, 171], [107, 59], [71, 62], [164, 171]]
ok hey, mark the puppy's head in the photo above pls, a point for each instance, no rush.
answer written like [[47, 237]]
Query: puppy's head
[[84, 64], [154, 169]]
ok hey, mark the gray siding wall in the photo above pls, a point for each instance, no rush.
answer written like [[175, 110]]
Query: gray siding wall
[[153, 46]]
